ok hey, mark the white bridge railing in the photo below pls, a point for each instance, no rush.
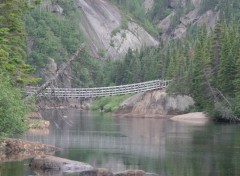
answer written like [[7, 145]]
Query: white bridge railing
[[101, 91]]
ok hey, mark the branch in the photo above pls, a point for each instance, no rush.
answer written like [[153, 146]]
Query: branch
[[60, 71]]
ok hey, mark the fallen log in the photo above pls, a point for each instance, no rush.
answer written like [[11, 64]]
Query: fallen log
[[60, 71]]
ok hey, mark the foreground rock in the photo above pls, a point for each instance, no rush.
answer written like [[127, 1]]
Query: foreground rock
[[197, 118], [131, 173], [106, 172], [155, 104], [51, 165], [20, 156], [18, 150], [14, 146], [38, 132], [97, 172], [60, 164], [37, 123], [34, 115]]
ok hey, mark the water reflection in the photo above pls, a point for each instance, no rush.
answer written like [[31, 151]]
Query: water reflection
[[160, 146]]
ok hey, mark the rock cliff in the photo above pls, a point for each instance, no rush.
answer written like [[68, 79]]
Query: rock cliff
[[101, 25], [155, 103], [186, 18]]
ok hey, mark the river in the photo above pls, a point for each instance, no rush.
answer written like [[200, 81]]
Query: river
[[160, 146]]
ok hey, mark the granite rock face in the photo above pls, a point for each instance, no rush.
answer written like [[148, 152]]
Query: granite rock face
[[56, 163], [101, 25], [155, 103]]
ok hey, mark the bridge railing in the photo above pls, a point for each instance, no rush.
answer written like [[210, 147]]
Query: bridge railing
[[101, 91]]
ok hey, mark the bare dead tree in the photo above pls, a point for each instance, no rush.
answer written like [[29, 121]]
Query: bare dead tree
[[60, 71], [221, 103]]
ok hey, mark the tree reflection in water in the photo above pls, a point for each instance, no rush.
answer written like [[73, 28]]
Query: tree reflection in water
[[159, 146]]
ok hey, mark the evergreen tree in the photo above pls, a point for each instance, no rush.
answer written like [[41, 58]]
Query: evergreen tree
[[216, 48], [237, 87], [227, 65], [12, 41], [136, 70]]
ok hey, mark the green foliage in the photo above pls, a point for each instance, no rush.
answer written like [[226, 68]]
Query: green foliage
[[108, 104], [207, 5], [59, 36], [12, 109], [197, 67], [135, 67], [12, 41], [160, 10], [134, 9], [229, 10], [52, 35]]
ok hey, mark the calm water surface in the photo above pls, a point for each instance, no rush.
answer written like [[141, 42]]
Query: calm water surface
[[159, 146]]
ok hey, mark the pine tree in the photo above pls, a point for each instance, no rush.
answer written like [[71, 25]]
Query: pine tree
[[216, 48], [237, 87], [136, 70], [227, 65], [12, 41]]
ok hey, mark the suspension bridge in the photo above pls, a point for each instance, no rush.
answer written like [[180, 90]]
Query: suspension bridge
[[100, 91]]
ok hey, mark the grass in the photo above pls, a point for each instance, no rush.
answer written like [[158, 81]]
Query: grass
[[109, 104]]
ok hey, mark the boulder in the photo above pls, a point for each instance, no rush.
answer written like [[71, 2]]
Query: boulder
[[165, 23], [148, 4], [34, 115], [106, 172], [57, 9], [11, 145], [46, 162], [97, 172], [195, 118], [22, 155], [155, 103], [131, 173], [38, 131], [38, 123], [209, 19]]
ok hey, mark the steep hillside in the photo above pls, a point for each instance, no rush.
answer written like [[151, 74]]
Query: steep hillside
[[53, 35], [185, 13], [204, 64], [101, 23]]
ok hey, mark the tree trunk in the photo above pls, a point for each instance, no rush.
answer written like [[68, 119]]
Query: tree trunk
[[60, 71]]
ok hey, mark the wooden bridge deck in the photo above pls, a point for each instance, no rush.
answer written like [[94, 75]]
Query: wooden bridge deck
[[100, 91]]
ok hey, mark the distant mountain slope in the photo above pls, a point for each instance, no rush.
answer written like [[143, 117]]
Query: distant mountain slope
[[101, 24], [176, 16]]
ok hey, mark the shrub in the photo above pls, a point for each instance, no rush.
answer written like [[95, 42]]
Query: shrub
[[12, 110], [109, 104]]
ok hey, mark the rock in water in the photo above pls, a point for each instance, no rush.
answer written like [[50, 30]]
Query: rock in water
[[155, 103], [97, 172], [11, 145], [56, 163], [106, 172], [131, 173]]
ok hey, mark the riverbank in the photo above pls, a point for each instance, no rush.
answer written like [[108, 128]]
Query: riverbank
[[198, 118]]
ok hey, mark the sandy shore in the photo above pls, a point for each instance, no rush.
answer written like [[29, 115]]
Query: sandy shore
[[198, 118]]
